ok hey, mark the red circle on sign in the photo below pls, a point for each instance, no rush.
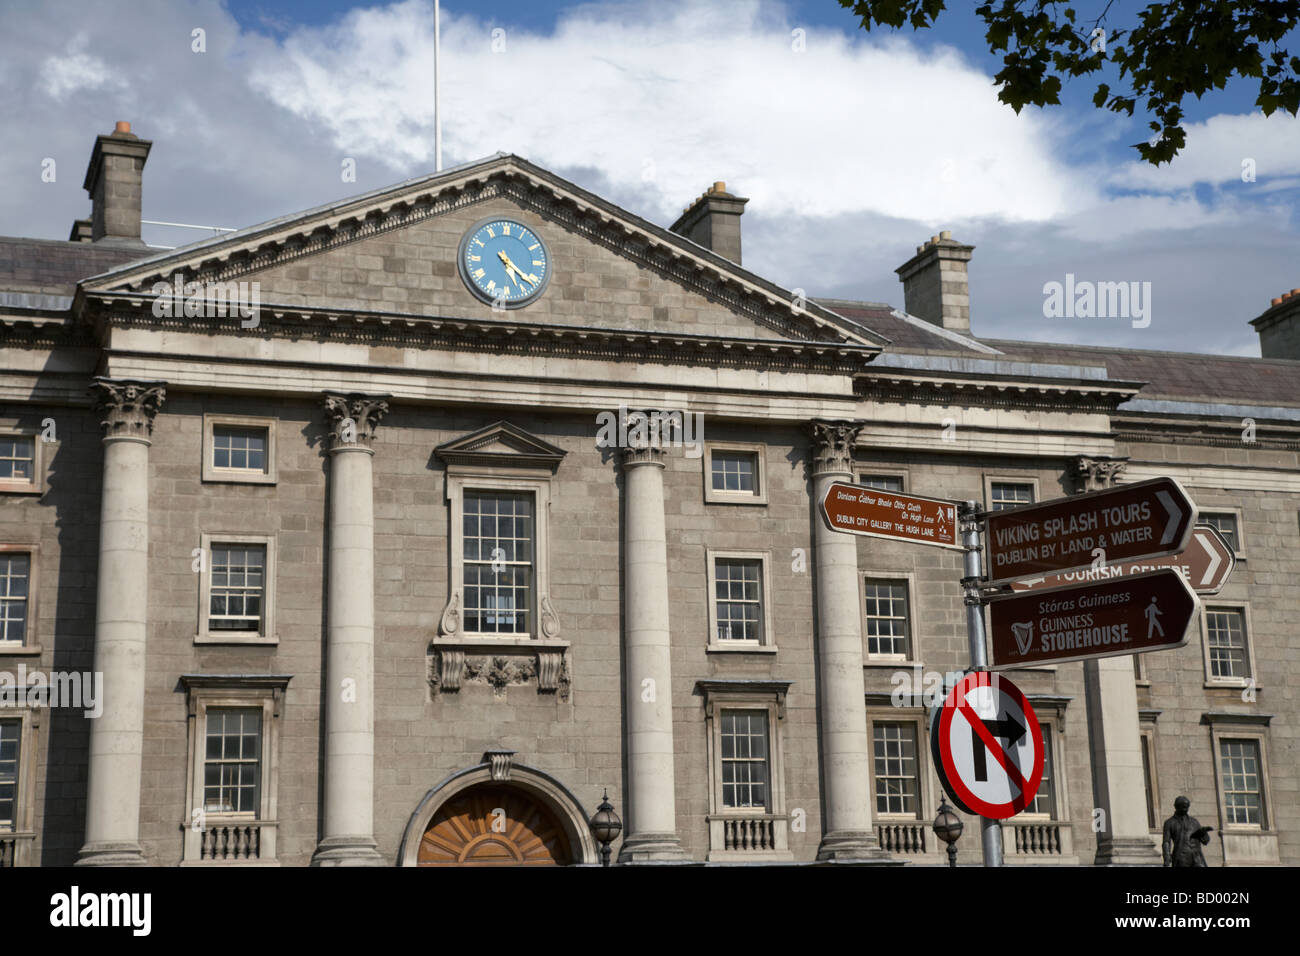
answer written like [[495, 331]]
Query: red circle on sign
[[956, 697]]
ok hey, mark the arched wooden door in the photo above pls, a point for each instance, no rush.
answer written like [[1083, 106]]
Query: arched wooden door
[[492, 825]]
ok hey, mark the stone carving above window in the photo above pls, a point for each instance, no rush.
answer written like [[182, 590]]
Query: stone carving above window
[[450, 668]]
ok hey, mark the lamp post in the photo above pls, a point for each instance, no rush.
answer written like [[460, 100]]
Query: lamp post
[[948, 827], [606, 826]]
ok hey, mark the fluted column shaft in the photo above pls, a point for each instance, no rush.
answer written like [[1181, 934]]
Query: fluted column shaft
[[847, 833], [347, 831], [651, 807], [121, 620]]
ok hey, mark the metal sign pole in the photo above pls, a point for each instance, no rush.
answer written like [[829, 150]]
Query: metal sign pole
[[990, 830]]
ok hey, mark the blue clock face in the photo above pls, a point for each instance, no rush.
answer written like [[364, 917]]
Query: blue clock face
[[504, 262]]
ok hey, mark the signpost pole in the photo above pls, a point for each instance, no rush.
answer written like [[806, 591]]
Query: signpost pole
[[990, 830]]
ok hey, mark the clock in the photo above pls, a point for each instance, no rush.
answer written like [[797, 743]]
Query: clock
[[504, 262]]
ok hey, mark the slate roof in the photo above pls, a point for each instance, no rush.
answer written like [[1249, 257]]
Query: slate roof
[[54, 267], [1178, 376]]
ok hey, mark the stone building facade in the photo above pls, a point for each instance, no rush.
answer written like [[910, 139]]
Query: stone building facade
[[366, 585]]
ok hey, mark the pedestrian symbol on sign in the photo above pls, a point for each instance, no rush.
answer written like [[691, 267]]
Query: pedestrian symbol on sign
[[1152, 612]]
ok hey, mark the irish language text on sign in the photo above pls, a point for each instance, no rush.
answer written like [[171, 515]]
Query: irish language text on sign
[[889, 514], [1129, 615], [1143, 520]]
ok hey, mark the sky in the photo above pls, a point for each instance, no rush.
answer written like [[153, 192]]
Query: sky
[[852, 147]]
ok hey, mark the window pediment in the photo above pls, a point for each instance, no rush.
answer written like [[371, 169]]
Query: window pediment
[[500, 445]]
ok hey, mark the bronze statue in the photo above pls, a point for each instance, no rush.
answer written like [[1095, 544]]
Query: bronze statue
[[1184, 837]]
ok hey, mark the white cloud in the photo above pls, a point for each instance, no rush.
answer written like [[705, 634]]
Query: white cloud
[[696, 92], [843, 148], [74, 71], [1216, 150]]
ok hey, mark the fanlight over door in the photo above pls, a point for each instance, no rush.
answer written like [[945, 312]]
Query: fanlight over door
[[490, 825]]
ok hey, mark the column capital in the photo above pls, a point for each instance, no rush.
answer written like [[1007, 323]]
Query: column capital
[[1097, 474], [646, 455], [353, 419], [127, 406], [832, 443]]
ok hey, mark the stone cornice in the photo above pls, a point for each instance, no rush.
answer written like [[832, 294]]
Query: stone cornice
[[1099, 395], [549, 196], [1212, 432], [397, 329]]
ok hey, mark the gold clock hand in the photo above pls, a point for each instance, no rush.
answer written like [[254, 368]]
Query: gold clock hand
[[510, 268]]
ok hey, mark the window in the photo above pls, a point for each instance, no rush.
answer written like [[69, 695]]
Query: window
[[1239, 745], [739, 608], [886, 618], [1225, 522], [498, 538], [1227, 645], [738, 591], [747, 814], [500, 507], [232, 792], [1044, 801], [237, 448], [1243, 794], [237, 594], [233, 763], [10, 735], [20, 463], [883, 482], [895, 766], [241, 449], [734, 473], [15, 593], [238, 587], [744, 759], [17, 783], [1010, 494]]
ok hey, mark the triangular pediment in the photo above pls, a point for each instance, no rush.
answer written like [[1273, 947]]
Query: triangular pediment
[[500, 445], [392, 253]]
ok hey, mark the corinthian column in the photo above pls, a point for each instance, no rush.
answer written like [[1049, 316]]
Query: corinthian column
[[1114, 738], [127, 411], [347, 834], [848, 834], [651, 810]]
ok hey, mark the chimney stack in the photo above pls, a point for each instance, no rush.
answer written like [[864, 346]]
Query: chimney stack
[[114, 179], [1279, 327], [935, 286], [713, 220]]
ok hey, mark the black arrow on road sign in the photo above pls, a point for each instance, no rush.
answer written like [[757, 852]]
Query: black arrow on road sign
[[1007, 727]]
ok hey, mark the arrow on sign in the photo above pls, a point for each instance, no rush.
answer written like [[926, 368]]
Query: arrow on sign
[[1215, 556], [1175, 514], [1007, 727]]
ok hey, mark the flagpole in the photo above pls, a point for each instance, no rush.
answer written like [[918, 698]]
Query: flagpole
[[437, 113]]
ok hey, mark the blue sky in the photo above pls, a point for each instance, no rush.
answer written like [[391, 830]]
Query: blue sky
[[852, 150]]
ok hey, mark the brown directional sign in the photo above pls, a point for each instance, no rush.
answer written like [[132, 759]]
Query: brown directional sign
[[1148, 519], [890, 514], [1207, 563], [1130, 615]]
